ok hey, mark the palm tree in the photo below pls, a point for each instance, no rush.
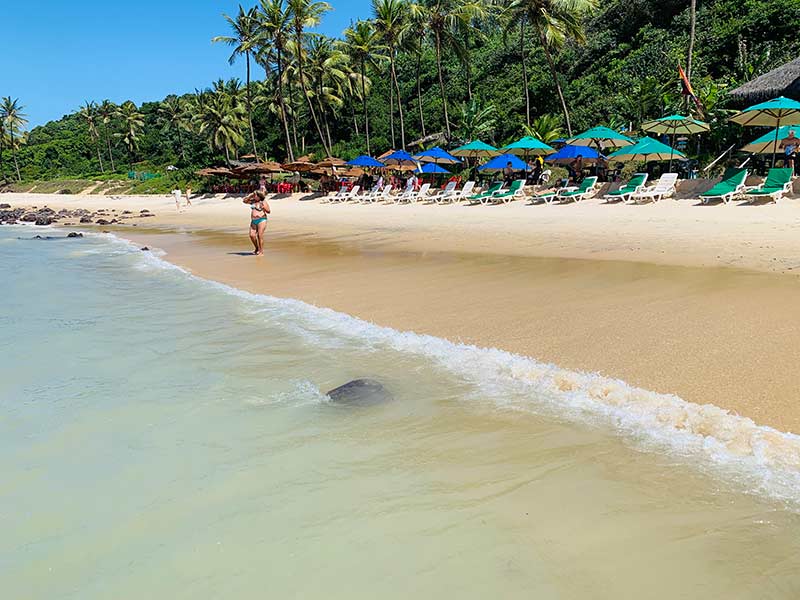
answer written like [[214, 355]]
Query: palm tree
[[132, 123], [363, 44], [328, 73], [88, 113], [274, 22], [546, 128], [221, 117], [692, 22], [392, 25], [414, 40], [106, 113], [175, 116], [305, 14], [15, 121], [554, 21], [245, 41], [3, 138], [511, 21], [472, 14], [477, 120]]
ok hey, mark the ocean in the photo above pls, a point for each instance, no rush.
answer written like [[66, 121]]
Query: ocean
[[163, 436]]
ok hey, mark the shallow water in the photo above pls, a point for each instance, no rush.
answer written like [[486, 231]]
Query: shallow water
[[162, 436]]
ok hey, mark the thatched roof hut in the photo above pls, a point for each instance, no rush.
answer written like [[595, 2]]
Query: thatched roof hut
[[783, 81]]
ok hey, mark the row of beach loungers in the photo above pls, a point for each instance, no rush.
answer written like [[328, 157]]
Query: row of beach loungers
[[732, 186]]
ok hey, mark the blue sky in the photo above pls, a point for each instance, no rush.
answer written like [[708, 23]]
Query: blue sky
[[61, 53]]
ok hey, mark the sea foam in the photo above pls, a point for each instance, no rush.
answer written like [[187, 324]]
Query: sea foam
[[760, 459]]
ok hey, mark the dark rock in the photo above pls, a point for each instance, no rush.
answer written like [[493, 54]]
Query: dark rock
[[29, 218], [102, 222], [86, 220], [144, 210], [73, 234], [360, 392], [126, 212], [5, 206], [44, 221], [145, 249], [46, 211]]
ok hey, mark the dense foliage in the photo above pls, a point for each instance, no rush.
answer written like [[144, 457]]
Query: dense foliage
[[397, 73]]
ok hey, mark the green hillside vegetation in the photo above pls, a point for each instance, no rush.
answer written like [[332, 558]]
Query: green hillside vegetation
[[616, 63]]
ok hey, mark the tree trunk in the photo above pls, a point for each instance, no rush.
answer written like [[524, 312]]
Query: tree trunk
[[355, 120], [181, 147], [692, 21], [524, 72], [14, 155], [364, 101], [554, 73], [305, 92], [324, 114], [467, 68], [419, 93], [250, 109], [108, 144], [399, 104], [391, 109], [441, 84], [99, 155], [282, 104], [294, 120], [2, 166]]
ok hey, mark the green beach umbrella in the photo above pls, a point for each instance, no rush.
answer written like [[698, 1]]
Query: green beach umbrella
[[768, 143], [601, 137], [527, 146], [770, 114], [476, 149], [646, 149], [673, 125]]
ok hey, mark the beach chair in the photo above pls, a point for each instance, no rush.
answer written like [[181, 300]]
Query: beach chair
[[731, 186], [587, 188], [635, 184], [404, 196], [776, 186], [337, 197], [375, 195], [495, 187], [664, 188], [422, 194], [445, 194], [351, 195], [516, 190], [464, 192]]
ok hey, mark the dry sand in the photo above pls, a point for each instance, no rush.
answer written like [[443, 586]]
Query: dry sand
[[700, 301]]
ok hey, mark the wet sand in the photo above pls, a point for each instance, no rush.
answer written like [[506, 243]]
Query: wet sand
[[650, 301]]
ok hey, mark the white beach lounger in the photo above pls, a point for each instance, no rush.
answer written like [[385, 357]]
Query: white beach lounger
[[464, 192], [664, 188], [445, 194], [422, 194]]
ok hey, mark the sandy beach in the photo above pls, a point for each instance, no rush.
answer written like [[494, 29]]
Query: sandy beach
[[699, 301]]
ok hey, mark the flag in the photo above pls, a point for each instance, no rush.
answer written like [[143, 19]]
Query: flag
[[686, 89]]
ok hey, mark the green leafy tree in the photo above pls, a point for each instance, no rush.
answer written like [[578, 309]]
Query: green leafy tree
[[106, 112], [221, 118], [392, 25], [175, 117], [132, 125], [15, 121], [546, 128], [477, 121], [88, 113]]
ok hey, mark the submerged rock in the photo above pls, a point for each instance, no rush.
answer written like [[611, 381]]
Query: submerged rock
[[73, 234], [360, 392], [145, 249]]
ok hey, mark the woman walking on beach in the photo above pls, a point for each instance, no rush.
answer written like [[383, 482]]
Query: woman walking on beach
[[259, 212]]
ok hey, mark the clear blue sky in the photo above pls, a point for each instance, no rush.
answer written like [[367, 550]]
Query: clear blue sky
[[56, 53]]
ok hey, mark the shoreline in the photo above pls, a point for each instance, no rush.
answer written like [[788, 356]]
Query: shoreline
[[724, 336]]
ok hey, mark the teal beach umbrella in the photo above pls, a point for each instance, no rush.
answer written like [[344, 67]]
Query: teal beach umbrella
[[768, 143], [527, 146], [476, 149], [770, 114], [602, 137], [646, 149], [673, 125]]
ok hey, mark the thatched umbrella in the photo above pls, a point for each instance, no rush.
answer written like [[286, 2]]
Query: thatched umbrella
[[261, 167], [301, 166], [783, 81], [331, 162], [219, 172]]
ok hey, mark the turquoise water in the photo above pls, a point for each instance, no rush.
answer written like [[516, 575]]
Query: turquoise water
[[167, 437]]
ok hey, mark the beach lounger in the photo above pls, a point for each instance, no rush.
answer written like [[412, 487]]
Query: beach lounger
[[464, 192], [587, 188], [635, 184], [731, 186], [351, 195], [445, 194], [495, 187], [517, 190], [422, 194], [664, 188], [776, 186], [377, 195]]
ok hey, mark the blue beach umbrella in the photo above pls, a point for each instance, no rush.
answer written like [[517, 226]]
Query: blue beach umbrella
[[570, 152], [438, 156], [432, 169], [498, 163], [366, 161]]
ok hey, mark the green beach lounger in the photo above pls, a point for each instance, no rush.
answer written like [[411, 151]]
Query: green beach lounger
[[732, 185], [586, 189], [777, 184], [635, 184], [496, 187], [512, 193]]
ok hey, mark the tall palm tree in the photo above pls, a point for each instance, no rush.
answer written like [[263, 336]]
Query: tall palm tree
[[245, 41], [477, 121], [106, 112], [15, 121], [88, 113], [554, 21], [692, 23], [305, 14], [363, 44], [473, 14], [512, 20], [221, 117], [328, 73], [546, 128], [414, 40], [132, 125], [3, 136], [392, 24], [274, 21], [174, 114]]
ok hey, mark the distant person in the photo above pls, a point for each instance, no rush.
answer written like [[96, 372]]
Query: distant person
[[790, 145], [577, 168], [259, 213], [176, 193], [508, 173], [188, 196], [262, 184], [536, 173], [378, 185]]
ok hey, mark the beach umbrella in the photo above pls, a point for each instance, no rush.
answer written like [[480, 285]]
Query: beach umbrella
[[398, 158], [331, 162], [476, 149], [528, 146], [432, 169], [366, 161], [768, 143], [300, 166], [601, 137], [673, 125], [770, 114], [438, 156], [646, 149], [569, 153], [498, 163]]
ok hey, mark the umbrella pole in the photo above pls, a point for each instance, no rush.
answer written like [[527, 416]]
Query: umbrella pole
[[775, 149], [671, 152]]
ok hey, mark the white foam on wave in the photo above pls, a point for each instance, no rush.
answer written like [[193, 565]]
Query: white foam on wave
[[762, 459]]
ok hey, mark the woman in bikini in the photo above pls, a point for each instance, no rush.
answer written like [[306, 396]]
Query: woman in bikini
[[259, 212]]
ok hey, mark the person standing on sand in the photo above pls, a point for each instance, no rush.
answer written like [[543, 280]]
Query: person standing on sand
[[790, 145], [176, 193], [188, 196], [259, 213]]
